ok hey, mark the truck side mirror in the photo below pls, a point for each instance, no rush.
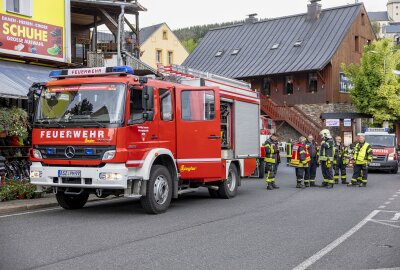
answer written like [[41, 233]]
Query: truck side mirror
[[33, 95], [148, 102]]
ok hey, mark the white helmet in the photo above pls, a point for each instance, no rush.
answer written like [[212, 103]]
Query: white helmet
[[325, 133]]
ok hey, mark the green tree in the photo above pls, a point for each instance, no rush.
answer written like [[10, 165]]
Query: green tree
[[376, 27], [190, 45], [376, 89]]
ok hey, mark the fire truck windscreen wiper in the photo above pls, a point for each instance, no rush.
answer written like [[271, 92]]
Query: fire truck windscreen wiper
[[88, 121], [49, 123]]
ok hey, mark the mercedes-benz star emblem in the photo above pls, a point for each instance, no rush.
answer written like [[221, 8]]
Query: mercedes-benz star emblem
[[69, 152]]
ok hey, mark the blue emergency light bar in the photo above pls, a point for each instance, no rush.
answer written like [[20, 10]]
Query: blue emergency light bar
[[97, 71]]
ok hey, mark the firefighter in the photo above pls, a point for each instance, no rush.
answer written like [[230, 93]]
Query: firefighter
[[311, 170], [361, 157], [289, 149], [300, 160], [341, 161], [271, 161], [326, 154], [352, 147]]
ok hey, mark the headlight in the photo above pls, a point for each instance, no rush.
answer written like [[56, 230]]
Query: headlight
[[35, 174], [110, 176], [36, 154], [392, 156], [109, 155]]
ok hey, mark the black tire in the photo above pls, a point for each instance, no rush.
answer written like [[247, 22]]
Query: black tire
[[213, 193], [228, 188], [394, 170], [261, 169], [72, 202], [160, 179]]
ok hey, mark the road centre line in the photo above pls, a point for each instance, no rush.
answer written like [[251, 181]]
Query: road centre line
[[387, 202], [317, 256], [382, 206]]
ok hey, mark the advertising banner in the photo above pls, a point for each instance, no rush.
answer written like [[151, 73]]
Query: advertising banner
[[26, 30], [332, 122], [40, 39]]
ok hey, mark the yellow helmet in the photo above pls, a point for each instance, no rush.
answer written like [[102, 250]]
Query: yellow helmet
[[325, 133]]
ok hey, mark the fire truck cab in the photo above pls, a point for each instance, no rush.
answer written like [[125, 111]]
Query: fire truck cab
[[109, 132], [383, 148]]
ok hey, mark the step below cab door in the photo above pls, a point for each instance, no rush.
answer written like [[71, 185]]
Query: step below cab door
[[198, 133]]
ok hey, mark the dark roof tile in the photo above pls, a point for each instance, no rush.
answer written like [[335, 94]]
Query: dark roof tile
[[321, 39]]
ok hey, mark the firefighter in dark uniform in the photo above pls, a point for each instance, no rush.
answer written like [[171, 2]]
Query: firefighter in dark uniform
[[311, 170], [326, 154], [300, 160], [289, 149], [361, 157], [271, 161], [341, 161]]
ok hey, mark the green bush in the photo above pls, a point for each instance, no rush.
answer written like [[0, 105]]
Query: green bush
[[12, 190]]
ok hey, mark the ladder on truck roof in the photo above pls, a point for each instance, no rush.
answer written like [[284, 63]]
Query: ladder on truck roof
[[185, 75]]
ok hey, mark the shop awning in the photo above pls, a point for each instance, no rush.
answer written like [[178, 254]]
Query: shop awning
[[16, 78]]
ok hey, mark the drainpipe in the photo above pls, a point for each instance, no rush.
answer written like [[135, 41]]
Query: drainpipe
[[119, 37]]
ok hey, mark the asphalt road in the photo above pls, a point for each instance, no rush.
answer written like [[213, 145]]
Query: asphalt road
[[314, 228]]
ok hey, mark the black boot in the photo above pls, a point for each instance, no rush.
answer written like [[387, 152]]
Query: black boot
[[269, 186], [324, 184], [299, 184], [344, 182], [312, 184], [336, 181], [352, 184], [274, 186], [306, 184], [363, 185], [329, 186]]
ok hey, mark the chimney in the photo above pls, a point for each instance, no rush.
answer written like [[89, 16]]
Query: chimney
[[314, 10], [252, 18]]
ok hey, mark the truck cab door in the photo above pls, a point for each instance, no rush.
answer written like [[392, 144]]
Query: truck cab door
[[198, 133]]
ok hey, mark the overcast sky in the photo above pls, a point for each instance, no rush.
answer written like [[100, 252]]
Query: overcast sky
[[182, 13]]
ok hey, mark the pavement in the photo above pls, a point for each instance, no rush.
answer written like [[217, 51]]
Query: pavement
[[289, 228]]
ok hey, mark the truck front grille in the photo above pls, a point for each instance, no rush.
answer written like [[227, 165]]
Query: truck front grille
[[81, 152]]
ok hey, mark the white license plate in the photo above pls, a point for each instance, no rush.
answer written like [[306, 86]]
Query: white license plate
[[374, 164], [69, 173]]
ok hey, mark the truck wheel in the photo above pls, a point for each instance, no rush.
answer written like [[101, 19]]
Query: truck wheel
[[395, 170], [71, 202], [228, 188], [158, 191], [261, 169]]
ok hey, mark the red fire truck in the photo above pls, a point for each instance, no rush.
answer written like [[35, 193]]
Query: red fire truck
[[108, 131]]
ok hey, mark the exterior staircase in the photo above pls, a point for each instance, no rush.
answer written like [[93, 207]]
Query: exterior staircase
[[295, 117]]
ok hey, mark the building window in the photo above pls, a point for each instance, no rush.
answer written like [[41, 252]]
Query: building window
[[345, 84], [159, 56], [23, 7], [165, 35], [357, 43], [312, 82], [219, 53], [235, 51], [288, 85], [170, 57], [198, 105], [266, 87], [363, 19]]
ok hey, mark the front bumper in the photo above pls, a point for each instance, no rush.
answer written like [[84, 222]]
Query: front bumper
[[383, 165], [49, 176]]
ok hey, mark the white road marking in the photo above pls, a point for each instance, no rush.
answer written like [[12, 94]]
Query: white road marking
[[396, 217], [395, 195], [391, 199], [387, 224], [382, 206], [395, 268], [30, 212], [387, 202], [313, 259]]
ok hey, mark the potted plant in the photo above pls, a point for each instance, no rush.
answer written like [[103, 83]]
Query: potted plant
[[4, 122], [19, 123]]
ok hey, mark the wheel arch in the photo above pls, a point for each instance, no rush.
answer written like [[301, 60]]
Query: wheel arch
[[167, 161]]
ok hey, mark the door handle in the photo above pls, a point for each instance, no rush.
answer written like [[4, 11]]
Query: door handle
[[214, 137]]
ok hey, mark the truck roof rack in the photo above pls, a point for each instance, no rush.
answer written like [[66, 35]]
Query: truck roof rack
[[182, 74]]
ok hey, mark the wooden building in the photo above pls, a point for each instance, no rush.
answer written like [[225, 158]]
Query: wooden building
[[294, 61]]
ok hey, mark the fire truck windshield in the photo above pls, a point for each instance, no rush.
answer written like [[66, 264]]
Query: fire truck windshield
[[86, 104], [380, 140]]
